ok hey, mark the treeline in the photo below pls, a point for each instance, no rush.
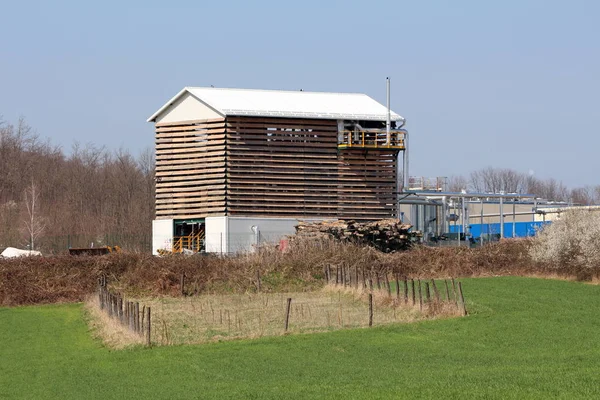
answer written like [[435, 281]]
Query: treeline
[[50, 200], [496, 180]]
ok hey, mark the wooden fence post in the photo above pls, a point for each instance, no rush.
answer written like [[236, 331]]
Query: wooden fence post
[[454, 291], [412, 283], [447, 290], [370, 309], [378, 280], [405, 290], [462, 299], [420, 296], [435, 291], [356, 277], [397, 287], [148, 327], [143, 319], [258, 283], [427, 294], [137, 317], [287, 313], [132, 316]]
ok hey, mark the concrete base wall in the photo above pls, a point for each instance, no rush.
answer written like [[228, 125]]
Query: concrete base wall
[[228, 235], [162, 235]]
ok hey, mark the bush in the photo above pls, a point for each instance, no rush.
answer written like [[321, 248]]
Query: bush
[[572, 241], [36, 280]]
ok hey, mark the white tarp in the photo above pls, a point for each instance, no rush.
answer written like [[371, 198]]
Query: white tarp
[[11, 252]]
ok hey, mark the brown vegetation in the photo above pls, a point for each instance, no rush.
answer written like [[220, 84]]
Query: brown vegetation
[[50, 199], [64, 278]]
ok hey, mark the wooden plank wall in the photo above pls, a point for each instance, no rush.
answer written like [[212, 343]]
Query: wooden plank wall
[[291, 168], [367, 180], [190, 169]]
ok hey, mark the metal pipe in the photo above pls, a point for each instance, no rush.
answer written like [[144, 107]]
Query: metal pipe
[[481, 226], [445, 214], [388, 122], [514, 233], [455, 222], [506, 214], [405, 159], [472, 195], [501, 217], [464, 216]]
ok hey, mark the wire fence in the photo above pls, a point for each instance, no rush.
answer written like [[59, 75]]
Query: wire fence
[[58, 244]]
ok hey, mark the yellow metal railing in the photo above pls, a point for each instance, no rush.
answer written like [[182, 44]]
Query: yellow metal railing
[[191, 242], [371, 139]]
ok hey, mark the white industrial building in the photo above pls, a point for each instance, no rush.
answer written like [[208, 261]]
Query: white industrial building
[[238, 167]]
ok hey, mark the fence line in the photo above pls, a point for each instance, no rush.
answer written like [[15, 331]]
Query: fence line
[[345, 277], [127, 313], [371, 282]]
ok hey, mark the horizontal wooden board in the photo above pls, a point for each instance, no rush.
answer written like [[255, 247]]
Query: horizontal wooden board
[[192, 172], [208, 152], [190, 167], [191, 188], [160, 184], [192, 210], [208, 203]]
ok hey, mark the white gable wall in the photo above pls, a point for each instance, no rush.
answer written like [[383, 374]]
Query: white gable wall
[[187, 108]]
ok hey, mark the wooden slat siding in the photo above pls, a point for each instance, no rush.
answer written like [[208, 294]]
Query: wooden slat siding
[[292, 168], [379, 182], [190, 169]]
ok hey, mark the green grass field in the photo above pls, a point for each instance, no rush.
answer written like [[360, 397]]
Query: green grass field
[[525, 338]]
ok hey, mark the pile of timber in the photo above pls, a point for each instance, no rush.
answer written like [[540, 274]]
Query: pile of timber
[[386, 235]]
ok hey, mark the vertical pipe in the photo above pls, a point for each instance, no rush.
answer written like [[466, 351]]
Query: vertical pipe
[[514, 233], [405, 159], [455, 221], [444, 215], [388, 122], [501, 217], [534, 214], [481, 225], [464, 216]]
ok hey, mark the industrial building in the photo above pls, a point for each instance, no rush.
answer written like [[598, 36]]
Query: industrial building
[[235, 167]]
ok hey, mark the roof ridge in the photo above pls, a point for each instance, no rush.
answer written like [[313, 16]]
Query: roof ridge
[[275, 90]]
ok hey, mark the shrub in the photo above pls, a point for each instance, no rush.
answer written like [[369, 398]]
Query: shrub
[[571, 241]]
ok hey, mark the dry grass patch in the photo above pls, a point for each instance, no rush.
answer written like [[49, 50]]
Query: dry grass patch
[[208, 318], [112, 333]]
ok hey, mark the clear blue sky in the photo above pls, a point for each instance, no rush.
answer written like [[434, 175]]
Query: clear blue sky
[[510, 84]]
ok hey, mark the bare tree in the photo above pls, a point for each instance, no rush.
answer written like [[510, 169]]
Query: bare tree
[[34, 223], [496, 180], [457, 183]]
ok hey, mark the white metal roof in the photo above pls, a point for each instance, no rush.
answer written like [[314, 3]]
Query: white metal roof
[[280, 103]]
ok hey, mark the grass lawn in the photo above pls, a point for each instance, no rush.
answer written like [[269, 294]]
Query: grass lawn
[[525, 338]]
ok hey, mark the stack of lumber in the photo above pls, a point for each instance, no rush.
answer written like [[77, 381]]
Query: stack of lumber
[[386, 235]]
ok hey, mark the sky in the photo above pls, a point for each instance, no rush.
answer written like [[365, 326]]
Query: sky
[[506, 84]]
